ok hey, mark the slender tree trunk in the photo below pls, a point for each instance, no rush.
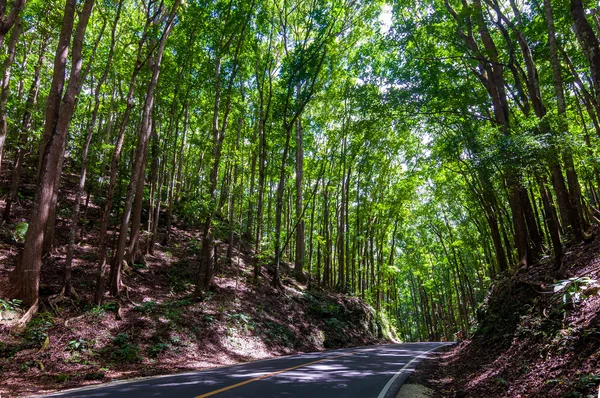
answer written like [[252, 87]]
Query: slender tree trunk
[[261, 196], [326, 233], [233, 192], [279, 207], [318, 276], [24, 135], [251, 195], [567, 155], [346, 226], [300, 248], [102, 245], [310, 239], [173, 177], [552, 222], [207, 264], [7, 21], [137, 178], [206, 274], [497, 240], [5, 83], [341, 225], [178, 183], [67, 286], [176, 190], [157, 175], [157, 206], [132, 252]]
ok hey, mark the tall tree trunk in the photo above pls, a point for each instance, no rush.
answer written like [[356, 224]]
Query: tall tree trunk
[[249, 228], [133, 253], [552, 222], [137, 178], [173, 120], [490, 72], [588, 42], [153, 232], [176, 189], [67, 287], [178, 182], [206, 274], [491, 216], [567, 155], [5, 83], [279, 207], [326, 233], [155, 180], [207, 262], [346, 227], [262, 159], [310, 239], [58, 115], [300, 248], [233, 192], [102, 245], [24, 135], [341, 224], [50, 233]]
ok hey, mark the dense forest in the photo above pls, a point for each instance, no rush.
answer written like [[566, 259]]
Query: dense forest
[[406, 153]]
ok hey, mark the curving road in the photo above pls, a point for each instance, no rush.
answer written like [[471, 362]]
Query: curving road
[[374, 371]]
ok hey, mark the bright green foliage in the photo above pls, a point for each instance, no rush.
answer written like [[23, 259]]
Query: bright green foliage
[[436, 157]]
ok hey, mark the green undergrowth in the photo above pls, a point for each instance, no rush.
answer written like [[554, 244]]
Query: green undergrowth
[[344, 316]]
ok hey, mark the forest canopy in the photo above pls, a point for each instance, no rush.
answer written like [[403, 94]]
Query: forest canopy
[[408, 153]]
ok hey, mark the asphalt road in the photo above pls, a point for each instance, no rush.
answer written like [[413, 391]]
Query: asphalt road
[[373, 371]]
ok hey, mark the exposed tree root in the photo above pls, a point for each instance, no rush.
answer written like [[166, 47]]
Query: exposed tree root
[[73, 319], [21, 324]]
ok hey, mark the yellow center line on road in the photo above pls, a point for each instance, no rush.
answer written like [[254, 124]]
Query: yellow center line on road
[[208, 394]]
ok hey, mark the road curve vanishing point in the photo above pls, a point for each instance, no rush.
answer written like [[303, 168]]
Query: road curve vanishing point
[[364, 372]]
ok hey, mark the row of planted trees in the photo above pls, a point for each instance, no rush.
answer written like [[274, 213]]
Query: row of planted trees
[[509, 94], [404, 153]]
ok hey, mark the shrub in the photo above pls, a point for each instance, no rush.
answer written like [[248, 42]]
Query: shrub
[[77, 345], [97, 313], [147, 307], [20, 231], [123, 350], [10, 305], [157, 349], [36, 330], [335, 323], [278, 333]]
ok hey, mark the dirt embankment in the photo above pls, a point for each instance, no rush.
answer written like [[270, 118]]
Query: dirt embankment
[[538, 335]]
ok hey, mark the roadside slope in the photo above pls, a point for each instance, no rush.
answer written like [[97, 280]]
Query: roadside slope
[[159, 327], [536, 336]]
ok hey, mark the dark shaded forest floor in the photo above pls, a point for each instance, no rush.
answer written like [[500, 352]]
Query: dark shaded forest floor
[[159, 327], [537, 336]]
